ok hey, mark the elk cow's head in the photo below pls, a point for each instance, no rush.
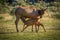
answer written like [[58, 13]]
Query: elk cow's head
[[41, 12]]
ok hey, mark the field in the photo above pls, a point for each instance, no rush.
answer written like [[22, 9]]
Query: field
[[8, 30], [49, 35]]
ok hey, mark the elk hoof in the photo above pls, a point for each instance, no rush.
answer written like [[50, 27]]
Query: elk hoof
[[22, 31], [17, 30], [45, 30], [32, 30], [36, 31]]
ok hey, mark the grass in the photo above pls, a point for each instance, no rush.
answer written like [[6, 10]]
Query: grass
[[8, 30], [49, 35]]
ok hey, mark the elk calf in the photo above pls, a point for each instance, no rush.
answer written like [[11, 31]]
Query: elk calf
[[31, 22]]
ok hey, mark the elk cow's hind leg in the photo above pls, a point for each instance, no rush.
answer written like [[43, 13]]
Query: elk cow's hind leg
[[16, 23]]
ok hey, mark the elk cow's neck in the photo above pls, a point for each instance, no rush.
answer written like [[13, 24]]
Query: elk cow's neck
[[40, 13]]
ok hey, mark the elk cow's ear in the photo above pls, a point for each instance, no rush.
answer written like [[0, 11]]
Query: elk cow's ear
[[45, 9]]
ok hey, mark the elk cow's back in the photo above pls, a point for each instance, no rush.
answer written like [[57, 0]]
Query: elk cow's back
[[26, 11]]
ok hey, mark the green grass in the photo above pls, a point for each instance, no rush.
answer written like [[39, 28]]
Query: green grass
[[8, 30], [49, 35]]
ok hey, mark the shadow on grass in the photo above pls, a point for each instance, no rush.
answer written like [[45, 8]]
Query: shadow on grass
[[57, 16], [1, 17]]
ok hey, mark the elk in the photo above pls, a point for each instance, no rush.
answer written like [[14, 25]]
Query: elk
[[27, 12], [31, 22]]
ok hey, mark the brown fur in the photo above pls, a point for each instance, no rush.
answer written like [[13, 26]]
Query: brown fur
[[27, 12], [31, 22]]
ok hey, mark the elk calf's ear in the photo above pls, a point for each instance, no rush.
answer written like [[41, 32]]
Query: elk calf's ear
[[45, 9]]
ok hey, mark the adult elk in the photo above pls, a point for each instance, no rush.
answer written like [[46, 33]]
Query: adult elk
[[27, 12]]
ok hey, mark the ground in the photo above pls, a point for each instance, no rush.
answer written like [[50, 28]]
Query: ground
[[8, 30], [49, 35]]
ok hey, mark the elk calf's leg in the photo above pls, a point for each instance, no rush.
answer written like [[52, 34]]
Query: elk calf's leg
[[24, 28], [36, 28], [43, 27], [32, 28]]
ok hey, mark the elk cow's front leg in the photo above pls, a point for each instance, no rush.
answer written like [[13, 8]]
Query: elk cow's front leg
[[16, 23]]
